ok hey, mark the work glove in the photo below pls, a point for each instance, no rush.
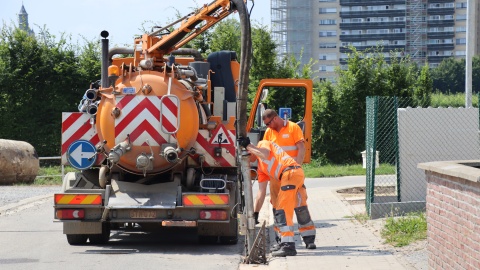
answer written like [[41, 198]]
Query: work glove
[[243, 141]]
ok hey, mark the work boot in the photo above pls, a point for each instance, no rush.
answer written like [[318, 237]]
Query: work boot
[[309, 242], [275, 247], [286, 249]]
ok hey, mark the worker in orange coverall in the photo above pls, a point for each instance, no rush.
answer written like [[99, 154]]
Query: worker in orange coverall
[[289, 136], [275, 165]]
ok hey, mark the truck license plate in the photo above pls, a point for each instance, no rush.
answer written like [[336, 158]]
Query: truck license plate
[[143, 214]]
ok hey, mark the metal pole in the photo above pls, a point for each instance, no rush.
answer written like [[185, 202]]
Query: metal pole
[[247, 185], [471, 38], [242, 97]]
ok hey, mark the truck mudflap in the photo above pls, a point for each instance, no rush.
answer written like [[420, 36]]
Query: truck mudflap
[[76, 227]]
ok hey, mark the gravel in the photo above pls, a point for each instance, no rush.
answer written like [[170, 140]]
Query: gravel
[[15, 194]]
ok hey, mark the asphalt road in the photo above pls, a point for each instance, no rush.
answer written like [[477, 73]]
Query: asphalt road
[[31, 240]]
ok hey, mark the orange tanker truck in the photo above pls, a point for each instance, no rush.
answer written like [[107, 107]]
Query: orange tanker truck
[[154, 141]]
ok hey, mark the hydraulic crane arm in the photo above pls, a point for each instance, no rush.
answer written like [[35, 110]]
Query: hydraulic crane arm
[[210, 14]]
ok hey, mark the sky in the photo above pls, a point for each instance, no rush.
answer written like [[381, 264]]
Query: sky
[[123, 19]]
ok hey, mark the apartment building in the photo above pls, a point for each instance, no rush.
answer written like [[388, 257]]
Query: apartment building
[[429, 31]]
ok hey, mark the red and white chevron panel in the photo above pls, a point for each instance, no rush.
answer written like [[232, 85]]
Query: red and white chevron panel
[[140, 118], [76, 126], [170, 113], [206, 144]]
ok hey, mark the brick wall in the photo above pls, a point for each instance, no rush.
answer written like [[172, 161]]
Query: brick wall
[[453, 222]]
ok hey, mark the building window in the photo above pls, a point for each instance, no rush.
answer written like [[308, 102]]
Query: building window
[[327, 68], [461, 29], [328, 22], [460, 41], [328, 56], [462, 5], [328, 33], [328, 10], [461, 17], [448, 17], [399, 19], [460, 53], [327, 45]]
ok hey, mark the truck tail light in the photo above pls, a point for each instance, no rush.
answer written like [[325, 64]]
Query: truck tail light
[[213, 214], [70, 213]]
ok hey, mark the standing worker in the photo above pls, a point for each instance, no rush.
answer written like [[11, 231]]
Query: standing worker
[[275, 165], [289, 136]]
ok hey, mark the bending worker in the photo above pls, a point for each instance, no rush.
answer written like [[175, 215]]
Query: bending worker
[[275, 165], [289, 136]]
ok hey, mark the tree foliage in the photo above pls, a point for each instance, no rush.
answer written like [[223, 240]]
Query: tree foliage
[[340, 109], [39, 79]]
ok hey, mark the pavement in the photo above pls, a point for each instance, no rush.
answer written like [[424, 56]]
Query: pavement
[[342, 242]]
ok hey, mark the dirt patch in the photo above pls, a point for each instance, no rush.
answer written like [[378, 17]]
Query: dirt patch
[[362, 190]]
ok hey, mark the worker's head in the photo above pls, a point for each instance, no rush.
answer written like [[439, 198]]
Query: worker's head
[[269, 116]]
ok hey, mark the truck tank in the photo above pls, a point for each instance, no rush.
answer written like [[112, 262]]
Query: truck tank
[[146, 113]]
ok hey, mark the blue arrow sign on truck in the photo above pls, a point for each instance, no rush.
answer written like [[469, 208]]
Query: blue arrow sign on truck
[[81, 154]]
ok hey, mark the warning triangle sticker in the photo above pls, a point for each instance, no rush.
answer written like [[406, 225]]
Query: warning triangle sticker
[[220, 136]]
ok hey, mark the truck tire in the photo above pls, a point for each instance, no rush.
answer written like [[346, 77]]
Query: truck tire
[[77, 239], [100, 239]]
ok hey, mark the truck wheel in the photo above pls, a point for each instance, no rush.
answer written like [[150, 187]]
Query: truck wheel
[[100, 239], [77, 239], [207, 239]]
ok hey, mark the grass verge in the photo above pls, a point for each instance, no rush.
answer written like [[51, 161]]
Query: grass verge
[[317, 170], [51, 175], [402, 231]]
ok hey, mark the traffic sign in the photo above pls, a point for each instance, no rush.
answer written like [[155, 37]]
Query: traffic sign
[[81, 154], [285, 113]]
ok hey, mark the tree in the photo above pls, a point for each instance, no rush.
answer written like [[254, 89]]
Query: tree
[[226, 36], [39, 79], [449, 76], [423, 87], [340, 109]]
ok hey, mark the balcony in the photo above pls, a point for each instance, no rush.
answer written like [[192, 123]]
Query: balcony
[[440, 35], [372, 13], [440, 11], [364, 37], [371, 2], [441, 47], [437, 59], [386, 48], [371, 25], [440, 23]]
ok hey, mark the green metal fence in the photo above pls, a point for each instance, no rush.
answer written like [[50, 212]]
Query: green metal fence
[[402, 136]]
